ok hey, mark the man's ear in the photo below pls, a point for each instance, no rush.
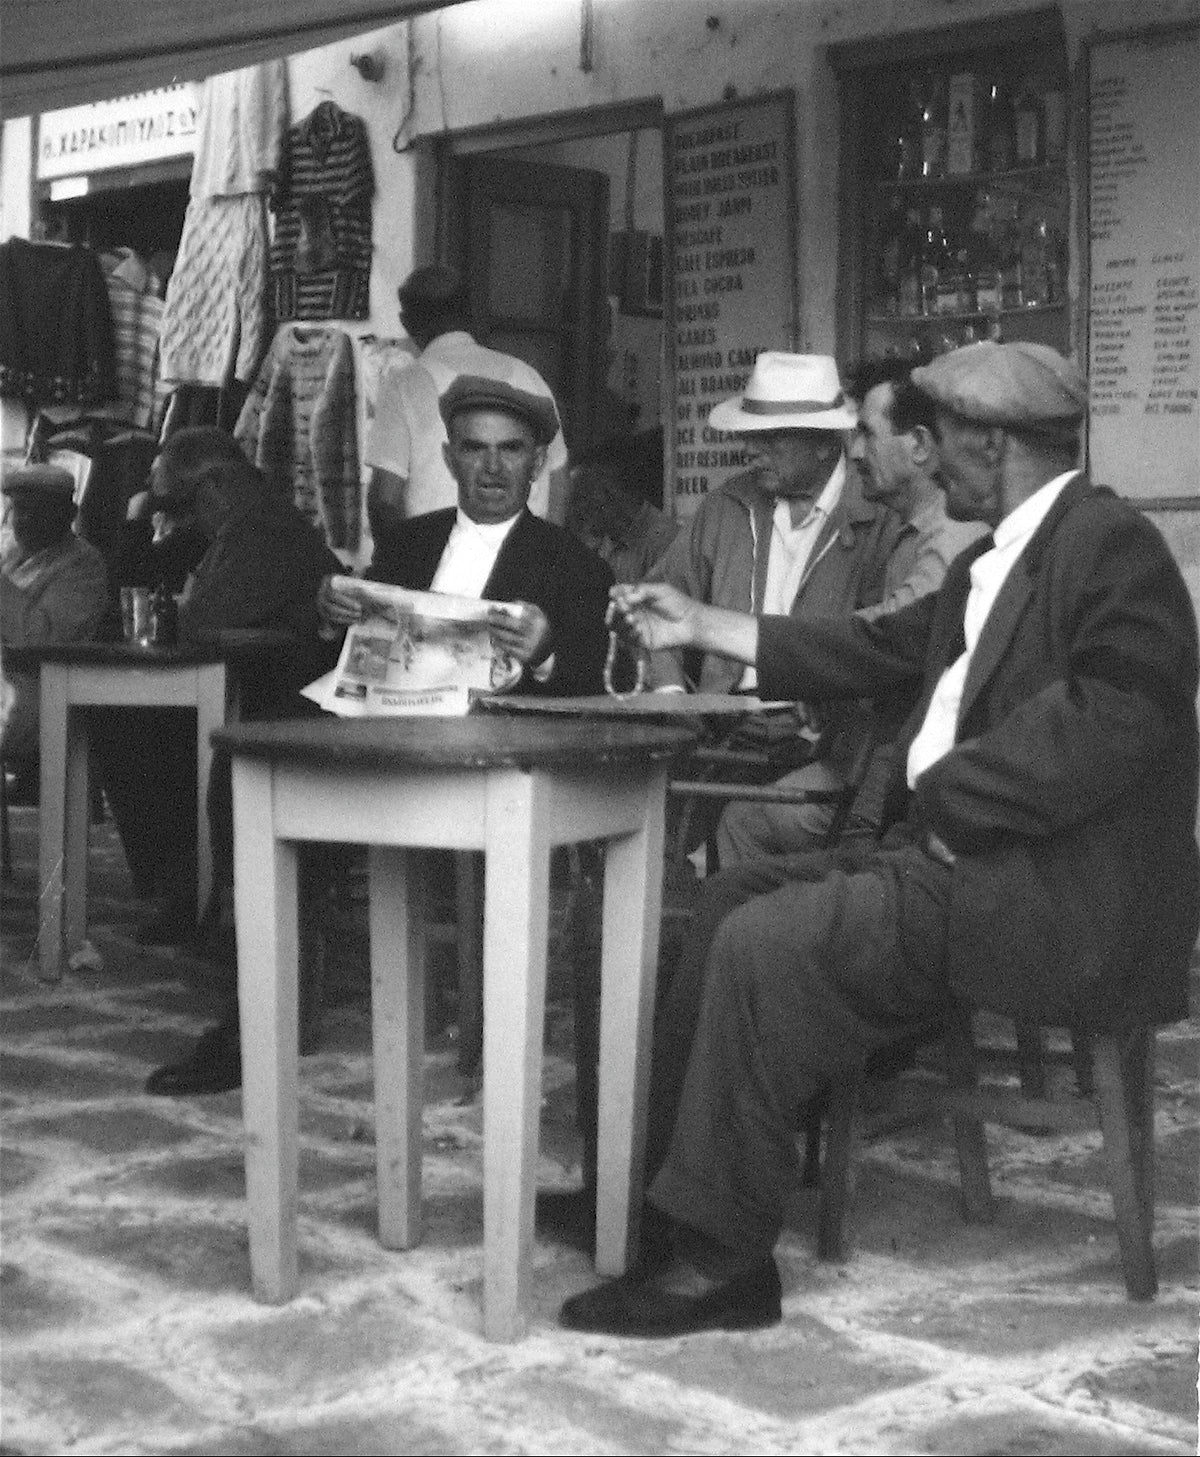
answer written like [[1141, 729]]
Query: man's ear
[[992, 441], [539, 460], [924, 448]]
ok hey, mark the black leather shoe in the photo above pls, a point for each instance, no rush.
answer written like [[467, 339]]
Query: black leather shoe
[[650, 1306], [214, 1065]]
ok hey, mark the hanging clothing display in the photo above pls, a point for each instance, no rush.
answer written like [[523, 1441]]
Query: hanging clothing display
[[321, 248], [214, 320], [299, 426], [56, 334], [137, 312]]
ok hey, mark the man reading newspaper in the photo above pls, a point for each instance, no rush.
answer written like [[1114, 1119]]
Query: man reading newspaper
[[543, 595]]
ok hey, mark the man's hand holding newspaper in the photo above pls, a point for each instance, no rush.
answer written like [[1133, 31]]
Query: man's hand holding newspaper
[[421, 652]]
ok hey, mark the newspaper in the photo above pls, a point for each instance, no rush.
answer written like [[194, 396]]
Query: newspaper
[[413, 653]]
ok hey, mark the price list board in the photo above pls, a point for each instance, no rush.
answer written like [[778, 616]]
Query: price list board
[[1144, 265], [730, 201]]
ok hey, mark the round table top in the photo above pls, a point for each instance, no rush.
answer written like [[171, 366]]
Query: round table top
[[482, 741]]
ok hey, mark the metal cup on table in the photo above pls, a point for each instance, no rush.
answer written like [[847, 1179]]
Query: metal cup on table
[[135, 616]]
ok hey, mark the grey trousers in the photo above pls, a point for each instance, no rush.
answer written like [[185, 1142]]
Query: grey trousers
[[796, 968]]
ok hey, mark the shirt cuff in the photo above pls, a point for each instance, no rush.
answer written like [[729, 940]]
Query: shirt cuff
[[542, 672]]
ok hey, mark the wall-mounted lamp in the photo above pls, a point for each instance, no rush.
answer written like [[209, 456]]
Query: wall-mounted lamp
[[370, 66]]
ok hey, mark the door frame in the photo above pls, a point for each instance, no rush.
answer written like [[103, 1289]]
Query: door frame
[[442, 192]]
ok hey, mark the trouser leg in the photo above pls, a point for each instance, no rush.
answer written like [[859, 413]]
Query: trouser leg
[[799, 984], [754, 830]]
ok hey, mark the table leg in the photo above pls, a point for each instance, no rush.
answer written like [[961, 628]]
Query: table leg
[[633, 870], [515, 932], [62, 824], [210, 715], [265, 908], [398, 1040]]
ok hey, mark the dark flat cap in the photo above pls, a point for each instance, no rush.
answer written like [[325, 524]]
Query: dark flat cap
[[47, 480], [476, 392], [435, 283], [1019, 384]]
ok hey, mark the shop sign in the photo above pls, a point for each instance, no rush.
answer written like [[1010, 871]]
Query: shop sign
[[729, 179], [126, 132]]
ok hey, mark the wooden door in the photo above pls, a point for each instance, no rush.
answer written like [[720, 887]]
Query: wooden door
[[536, 241]]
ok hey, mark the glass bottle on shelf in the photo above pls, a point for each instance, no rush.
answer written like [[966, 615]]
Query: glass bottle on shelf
[[997, 125], [886, 299], [1027, 126], [983, 264], [952, 280], [907, 146], [1008, 249], [1035, 282], [933, 126], [935, 260], [910, 264], [1054, 124]]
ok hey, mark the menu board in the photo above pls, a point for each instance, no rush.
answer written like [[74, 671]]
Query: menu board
[[730, 181], [1144, 222]]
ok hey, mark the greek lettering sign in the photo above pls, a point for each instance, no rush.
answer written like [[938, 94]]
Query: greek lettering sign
[[730, 183], [1144, 216], [126, 132]]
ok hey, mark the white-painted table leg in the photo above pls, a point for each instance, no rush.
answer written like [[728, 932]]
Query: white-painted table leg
[[52, 817], [515, 933], [265, 908], [633, 869], [210, 716], [398, 1038]]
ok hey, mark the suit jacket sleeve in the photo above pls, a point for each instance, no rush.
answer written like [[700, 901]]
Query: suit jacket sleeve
[[1061, 733]]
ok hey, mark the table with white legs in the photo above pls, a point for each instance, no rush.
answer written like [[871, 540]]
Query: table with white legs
[[513, 788], [89, 675]]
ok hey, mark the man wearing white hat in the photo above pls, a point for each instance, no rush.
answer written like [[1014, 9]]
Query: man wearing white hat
[[1044, 865], [793, 536], [53, 588]]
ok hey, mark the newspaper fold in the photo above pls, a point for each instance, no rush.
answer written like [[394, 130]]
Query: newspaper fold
[[413, 653]]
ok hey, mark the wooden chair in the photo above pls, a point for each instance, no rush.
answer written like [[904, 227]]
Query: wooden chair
[[1117, 1094]]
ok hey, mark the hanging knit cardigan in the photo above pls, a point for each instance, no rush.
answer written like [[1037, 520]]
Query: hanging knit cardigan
[[299, 426]]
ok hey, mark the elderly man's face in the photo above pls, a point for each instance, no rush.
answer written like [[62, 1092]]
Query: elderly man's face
[[884, 458], [792, 463], [968, 472], [494, 457]]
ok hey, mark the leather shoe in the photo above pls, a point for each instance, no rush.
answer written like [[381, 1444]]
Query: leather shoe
[[214, 1065], [678, 1300]]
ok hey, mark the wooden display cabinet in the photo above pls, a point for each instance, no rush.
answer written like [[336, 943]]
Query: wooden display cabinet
[[955, 191]]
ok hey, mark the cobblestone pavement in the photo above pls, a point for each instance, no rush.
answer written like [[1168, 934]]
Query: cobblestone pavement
[[128, 1326]]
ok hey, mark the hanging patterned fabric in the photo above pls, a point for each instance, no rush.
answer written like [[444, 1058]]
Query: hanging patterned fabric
[[214, 320], [299, 426], [136, 317], [321, 249], [56, 336]]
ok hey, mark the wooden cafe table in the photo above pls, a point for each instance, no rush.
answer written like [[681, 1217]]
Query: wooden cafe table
[[513, 787], [118, 674]]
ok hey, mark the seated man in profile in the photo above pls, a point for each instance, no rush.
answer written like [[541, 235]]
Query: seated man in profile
[[53, 589], [492, 547]]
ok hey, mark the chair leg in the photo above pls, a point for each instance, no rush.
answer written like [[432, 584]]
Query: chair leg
[[841, 1107], [6, 860], [1081, 1061], [1123, 1069], [1031, 1054], [970, 1139]]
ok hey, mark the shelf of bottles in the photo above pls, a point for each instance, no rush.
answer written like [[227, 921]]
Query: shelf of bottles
[[966, 206]]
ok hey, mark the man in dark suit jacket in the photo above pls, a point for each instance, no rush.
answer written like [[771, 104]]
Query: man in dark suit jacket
[[1045, 863], [491, 547]]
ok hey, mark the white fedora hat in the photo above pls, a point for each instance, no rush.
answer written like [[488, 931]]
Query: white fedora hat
[[788, 392]]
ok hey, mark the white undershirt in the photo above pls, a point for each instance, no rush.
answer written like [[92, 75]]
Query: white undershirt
[[989, 572], [790, 550], [469, 555]]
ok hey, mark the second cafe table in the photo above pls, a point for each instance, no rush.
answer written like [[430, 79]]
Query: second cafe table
[[513, 788]]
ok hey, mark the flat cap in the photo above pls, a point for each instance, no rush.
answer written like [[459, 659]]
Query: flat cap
[[47, 480], [1023, 385], [477, 392], [435, 283]]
